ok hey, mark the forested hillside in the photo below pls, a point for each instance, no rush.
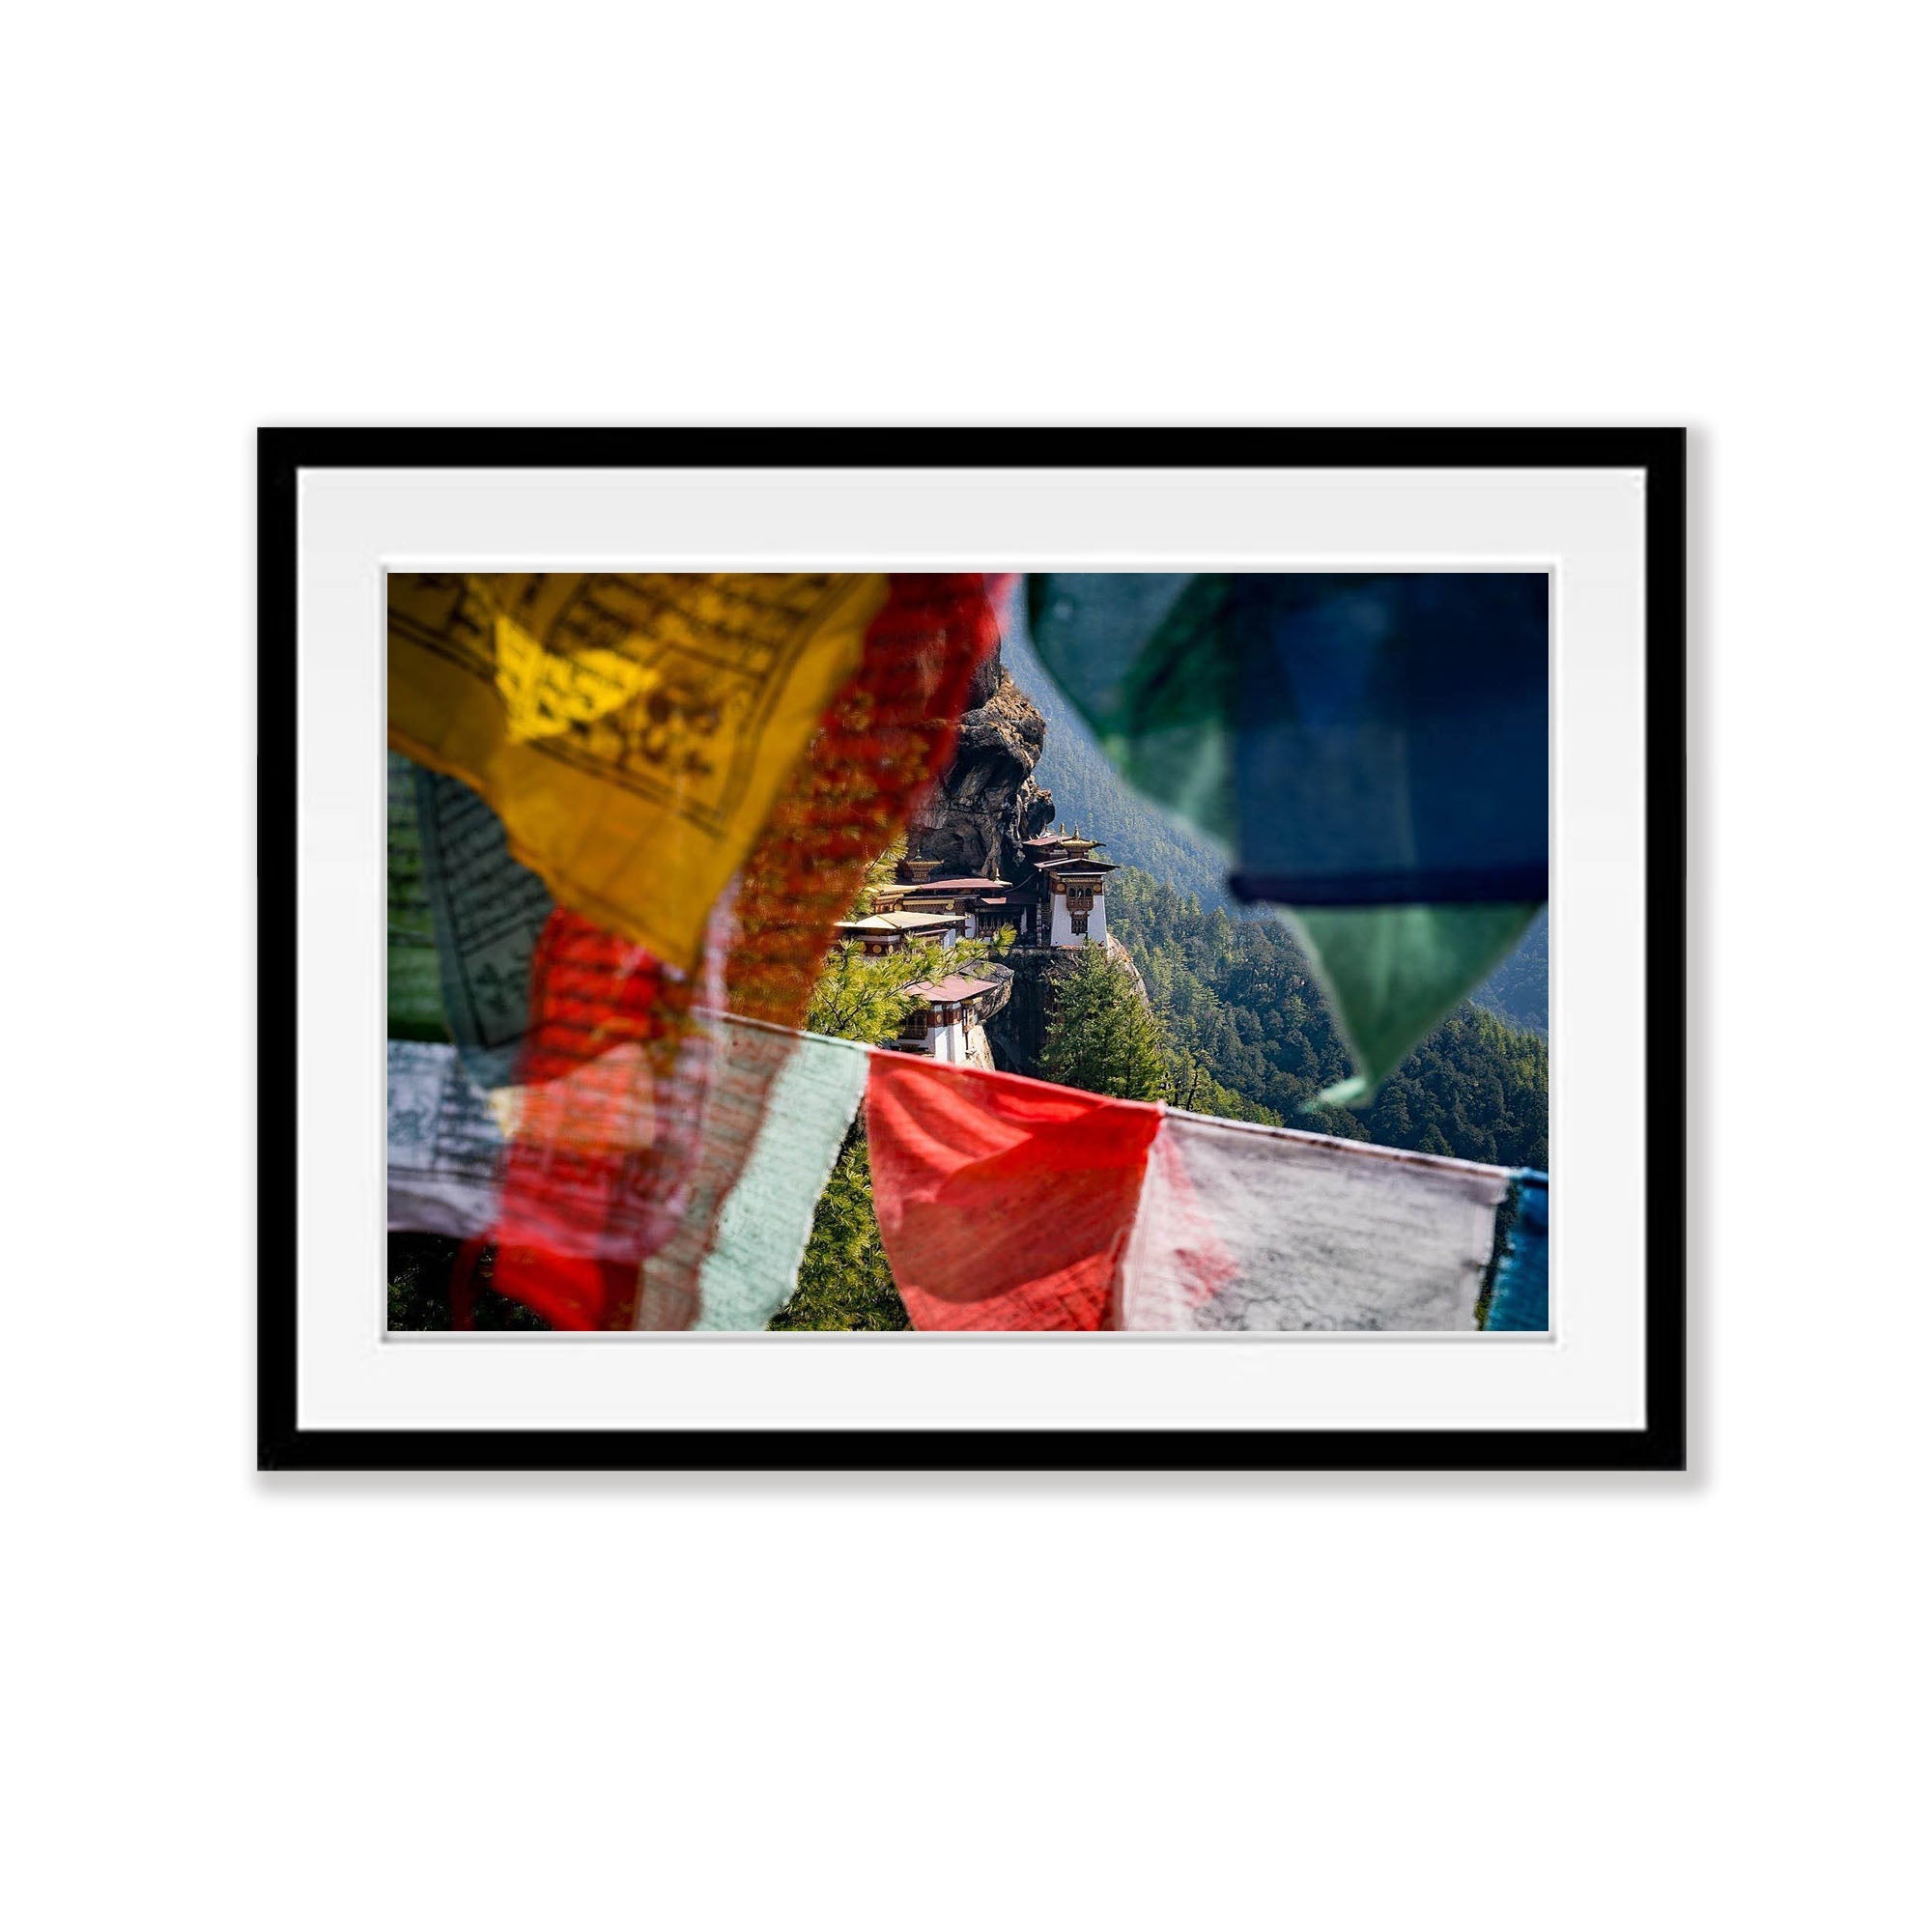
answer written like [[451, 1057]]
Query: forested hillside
[[1518, 989], [1236, 1000]]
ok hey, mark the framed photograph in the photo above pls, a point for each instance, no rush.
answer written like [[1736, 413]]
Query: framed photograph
[[916, 949]]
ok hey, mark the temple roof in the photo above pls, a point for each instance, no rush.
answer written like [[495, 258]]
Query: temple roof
[[955, 986], [964, 884], [898, 922]]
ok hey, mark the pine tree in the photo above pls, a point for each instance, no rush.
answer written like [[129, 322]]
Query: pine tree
[[845, 1280], [864, 998], [1103, 1035]]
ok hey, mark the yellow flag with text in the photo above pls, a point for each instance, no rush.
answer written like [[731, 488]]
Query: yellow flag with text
[[631, 731]]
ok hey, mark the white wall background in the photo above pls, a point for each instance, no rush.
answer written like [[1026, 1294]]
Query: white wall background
[[1496, 1704]]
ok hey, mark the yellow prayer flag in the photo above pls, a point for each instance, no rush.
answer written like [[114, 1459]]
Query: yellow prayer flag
[[632, 731]]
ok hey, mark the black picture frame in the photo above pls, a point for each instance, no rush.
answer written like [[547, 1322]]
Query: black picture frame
[[1661, 1444]]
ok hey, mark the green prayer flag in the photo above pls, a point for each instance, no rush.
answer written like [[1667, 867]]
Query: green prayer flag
[[752, 1269], [1370, 752], [415, 994], [1139, 655], [1392, 972]]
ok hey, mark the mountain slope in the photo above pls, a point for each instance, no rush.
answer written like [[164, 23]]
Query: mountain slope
[[1235, 1001]]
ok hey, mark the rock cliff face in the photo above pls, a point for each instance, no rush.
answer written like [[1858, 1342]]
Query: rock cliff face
[[1017, 1032], [973, 825], [987, 803]]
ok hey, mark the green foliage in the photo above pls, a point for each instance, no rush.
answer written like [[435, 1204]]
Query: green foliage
[[882, 872], [419, 1275], [865, 998], [1237, 1004], [1475, 1087], [1191, 1083], [416, 987], [844, 1281], [1102, 1037], [1517, 991]]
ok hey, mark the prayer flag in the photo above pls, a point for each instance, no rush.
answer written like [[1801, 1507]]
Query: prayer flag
[[632, 731], [747, 1064], [1392, 972], [1393, 738], [1244, 1227], [751, 1266], [1002, 1202], [416, 998], [1370, 750], [1520, 1298], [445, 1147], [777, 1112], [488, 912], [1352, 740], [610, 1084], [883, 745]]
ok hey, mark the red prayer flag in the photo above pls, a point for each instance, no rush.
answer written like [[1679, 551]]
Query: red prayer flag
[[1003, 1202], [880, 749], [611, 1077]]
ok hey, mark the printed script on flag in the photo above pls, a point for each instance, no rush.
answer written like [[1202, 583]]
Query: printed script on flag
[[631, 731]]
